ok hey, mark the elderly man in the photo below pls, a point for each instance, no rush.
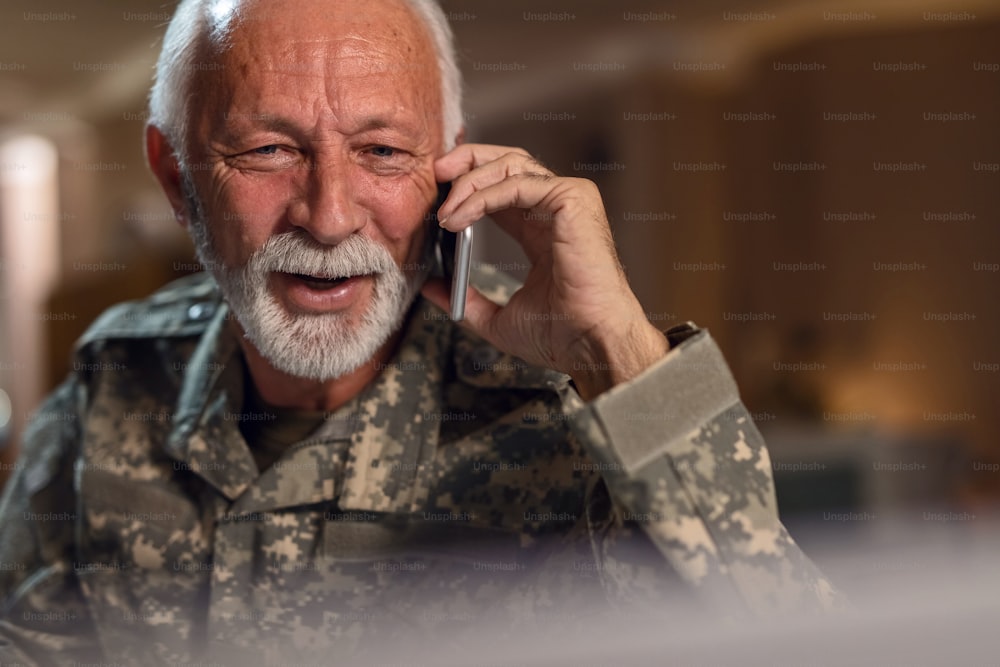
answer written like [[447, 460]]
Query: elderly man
[[299, 450]]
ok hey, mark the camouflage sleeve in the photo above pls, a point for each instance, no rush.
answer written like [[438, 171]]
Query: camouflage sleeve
[[43, 617], [685, 464]]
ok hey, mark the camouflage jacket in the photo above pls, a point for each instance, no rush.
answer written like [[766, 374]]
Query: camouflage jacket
[[462, 486]]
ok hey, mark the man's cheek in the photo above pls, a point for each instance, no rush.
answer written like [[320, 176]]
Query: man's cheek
[[241, 226], [398, 229], [400, 203]]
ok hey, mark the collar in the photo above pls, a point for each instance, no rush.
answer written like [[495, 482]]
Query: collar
[[393, 433], [205, 434]]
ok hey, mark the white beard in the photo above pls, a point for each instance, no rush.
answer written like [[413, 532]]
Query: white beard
[[314, 346]]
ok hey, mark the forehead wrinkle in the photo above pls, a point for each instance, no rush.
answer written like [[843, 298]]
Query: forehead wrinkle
[[332, 59], [267, 49]]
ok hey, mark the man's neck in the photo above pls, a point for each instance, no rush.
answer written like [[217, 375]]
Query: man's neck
[[282, 390]]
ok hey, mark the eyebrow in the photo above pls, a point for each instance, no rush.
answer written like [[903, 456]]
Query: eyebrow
[[283, 125], [264, 120]]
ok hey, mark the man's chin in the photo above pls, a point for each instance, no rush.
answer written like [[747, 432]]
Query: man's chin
[[315, 344], [318, 347]]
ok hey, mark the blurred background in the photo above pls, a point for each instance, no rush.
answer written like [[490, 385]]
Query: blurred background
[[818, 183]]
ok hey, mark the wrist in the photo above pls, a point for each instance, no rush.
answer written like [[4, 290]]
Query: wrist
[[609, 358]]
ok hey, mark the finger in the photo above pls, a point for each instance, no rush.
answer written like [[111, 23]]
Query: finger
[[483, 176], [524, 191], [466, 157]]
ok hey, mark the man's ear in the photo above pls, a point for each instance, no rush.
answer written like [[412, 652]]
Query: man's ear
[[163, 163], [460, 137]]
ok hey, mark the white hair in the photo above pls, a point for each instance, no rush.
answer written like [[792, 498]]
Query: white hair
[[196, 20]]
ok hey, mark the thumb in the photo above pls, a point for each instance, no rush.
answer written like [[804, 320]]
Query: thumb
[[479, 311]]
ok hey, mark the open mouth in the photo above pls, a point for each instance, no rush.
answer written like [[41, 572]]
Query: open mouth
[[304, 292], [318, 282], [321, 283]]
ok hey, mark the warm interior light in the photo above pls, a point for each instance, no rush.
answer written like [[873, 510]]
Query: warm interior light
[[29, 257]]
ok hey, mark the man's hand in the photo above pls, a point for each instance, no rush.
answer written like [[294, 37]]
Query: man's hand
[[575, 313]]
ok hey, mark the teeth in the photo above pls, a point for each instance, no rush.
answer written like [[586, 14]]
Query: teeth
[[320, 278]]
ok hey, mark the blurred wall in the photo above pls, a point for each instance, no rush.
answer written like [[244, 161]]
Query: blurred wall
[[816, 182]]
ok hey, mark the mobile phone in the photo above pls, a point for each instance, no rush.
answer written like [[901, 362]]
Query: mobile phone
[[456, 258], [460, 279]]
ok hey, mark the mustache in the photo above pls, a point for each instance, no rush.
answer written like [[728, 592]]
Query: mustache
[[296, 252]]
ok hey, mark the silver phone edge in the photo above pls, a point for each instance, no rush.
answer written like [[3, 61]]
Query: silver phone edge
[[460, 281]]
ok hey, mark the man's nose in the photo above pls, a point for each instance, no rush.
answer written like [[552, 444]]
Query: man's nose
[[328, 209]]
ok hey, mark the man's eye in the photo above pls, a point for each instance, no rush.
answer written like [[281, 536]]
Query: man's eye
[[383, 151], [266, 150]]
